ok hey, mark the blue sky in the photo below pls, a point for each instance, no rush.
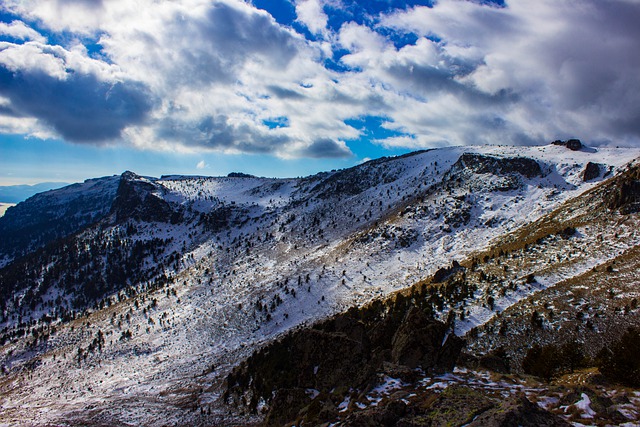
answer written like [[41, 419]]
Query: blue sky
[[292, 87]]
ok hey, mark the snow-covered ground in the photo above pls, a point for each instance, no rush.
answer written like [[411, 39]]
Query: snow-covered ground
[[300, 250]]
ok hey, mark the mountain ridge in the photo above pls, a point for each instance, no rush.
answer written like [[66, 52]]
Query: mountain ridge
[[135, 296]]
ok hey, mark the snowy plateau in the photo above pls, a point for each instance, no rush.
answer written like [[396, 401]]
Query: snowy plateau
[[129, 300]]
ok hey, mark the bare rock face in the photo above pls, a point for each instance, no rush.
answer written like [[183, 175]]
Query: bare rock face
[[625, 194], [482, 164], [574, 144], [591, 171], [138, 199]]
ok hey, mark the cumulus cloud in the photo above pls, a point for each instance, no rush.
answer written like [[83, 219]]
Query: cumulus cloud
[[562, 67], [81, 99], [211, 75], [311, 14], [20, 31]]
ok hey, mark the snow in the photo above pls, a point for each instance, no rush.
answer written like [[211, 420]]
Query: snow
[[344, 405], [340, 243], [583, 405]]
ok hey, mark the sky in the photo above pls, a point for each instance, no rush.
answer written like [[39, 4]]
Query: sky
[[292, 87]]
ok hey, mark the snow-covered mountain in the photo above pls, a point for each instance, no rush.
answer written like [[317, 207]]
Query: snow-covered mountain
[[129, 299]]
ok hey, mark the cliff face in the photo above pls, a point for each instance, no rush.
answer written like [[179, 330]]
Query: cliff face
[[625, 196], [138, 198], [480, 164]]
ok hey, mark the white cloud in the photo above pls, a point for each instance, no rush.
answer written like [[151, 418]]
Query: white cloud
[[202, 165], [311, 14], [564, 67], [214, 73], [20, 31]]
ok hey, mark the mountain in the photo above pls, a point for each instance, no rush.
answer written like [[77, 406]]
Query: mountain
[[54, 214], [19, 193], [132, 299]]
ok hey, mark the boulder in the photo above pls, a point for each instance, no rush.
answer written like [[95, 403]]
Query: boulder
[[591, 171], [574, 144]]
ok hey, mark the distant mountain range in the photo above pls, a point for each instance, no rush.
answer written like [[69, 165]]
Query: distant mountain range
[[342, 298], [19, 193]]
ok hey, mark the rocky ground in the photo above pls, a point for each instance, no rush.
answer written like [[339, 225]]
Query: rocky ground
[[484, 398]]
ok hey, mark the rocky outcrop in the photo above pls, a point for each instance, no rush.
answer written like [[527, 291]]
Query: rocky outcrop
[[343, 353], [456, 406], [445, 272], [591, 171], [517, 412], [420, 342], [481, 164], [572, 144], [140, 199], [625, 192]]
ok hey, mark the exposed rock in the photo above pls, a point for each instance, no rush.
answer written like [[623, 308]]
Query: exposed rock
[[417, 342], [625, 194], [445, 272], [387, 415], [496, 361], [455, 406], [480, 164], [520, 412], [136, 198], [288, 401], [458, 405], [591, 171], [574, 144]]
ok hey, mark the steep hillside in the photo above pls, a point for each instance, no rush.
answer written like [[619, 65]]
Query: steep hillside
[[54, 214], [140, 315], [553, 297]]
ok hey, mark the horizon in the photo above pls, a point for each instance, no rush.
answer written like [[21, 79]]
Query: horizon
[[286, 88], [228, 168]]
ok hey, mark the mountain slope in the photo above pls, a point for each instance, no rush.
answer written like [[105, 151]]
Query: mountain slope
[[146, 311], [54, 214], [541, 275]]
